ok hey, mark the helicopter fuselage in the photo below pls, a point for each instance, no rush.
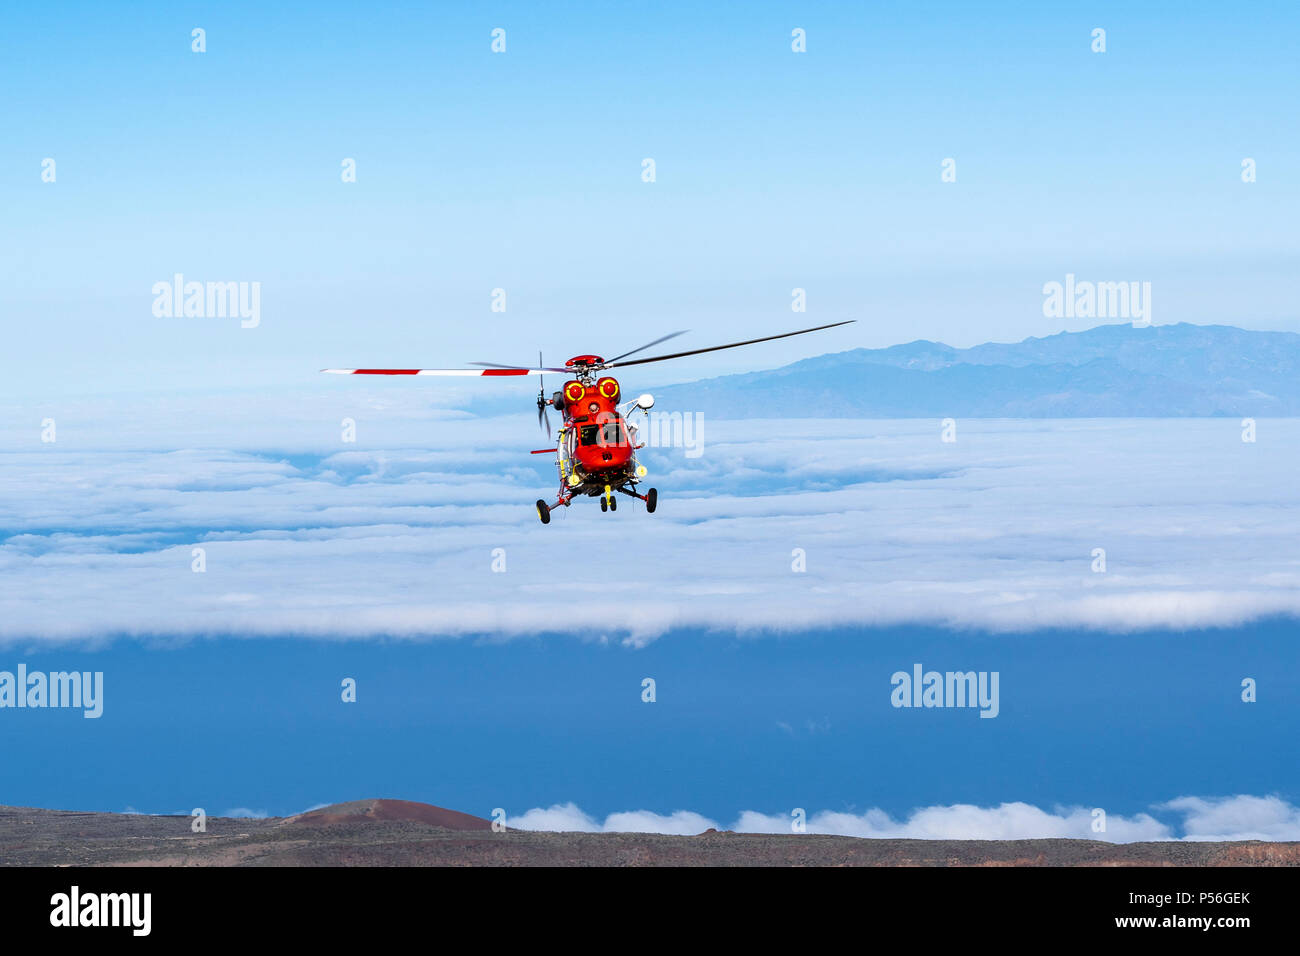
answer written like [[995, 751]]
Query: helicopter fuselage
[[596, 450], [596, 447]]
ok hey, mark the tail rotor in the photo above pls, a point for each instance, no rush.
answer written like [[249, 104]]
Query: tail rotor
[[542, 418]]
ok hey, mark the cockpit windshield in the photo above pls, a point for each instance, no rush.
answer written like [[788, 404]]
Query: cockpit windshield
[[604, 434]]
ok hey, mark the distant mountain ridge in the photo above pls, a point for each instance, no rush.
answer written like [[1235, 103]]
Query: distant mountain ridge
[[1164, 371]]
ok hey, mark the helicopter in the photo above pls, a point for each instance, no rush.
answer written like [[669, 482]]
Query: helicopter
[[595, 451]]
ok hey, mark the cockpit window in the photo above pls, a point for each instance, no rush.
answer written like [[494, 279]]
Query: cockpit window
[[612, 434], [606, 434]]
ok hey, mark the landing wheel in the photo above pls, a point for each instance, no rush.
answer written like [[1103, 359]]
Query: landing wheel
[[651, 499], [613, 503], [543, 511], [604, 505]]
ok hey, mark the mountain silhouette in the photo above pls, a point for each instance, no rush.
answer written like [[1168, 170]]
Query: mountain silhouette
[[1178, 370]]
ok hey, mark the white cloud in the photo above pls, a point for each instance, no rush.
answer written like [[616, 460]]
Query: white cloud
[[560, 818], [244, 813], [1219, 818], [1008, 821], [307, 536], [565, 817], [681, 822], [1237, 818]]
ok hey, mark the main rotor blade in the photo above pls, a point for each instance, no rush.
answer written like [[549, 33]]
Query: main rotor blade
[[499, 370], [492, 368], [670, 335], [531, 371], [716, 348]]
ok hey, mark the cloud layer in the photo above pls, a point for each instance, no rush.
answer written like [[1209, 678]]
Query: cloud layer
[[398, 533], [1198, 818]]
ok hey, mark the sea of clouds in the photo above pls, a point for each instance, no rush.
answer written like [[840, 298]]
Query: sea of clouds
[[397, 533], [1192, 818]]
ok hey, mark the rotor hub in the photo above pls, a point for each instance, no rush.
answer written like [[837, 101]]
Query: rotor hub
[[584, 366]]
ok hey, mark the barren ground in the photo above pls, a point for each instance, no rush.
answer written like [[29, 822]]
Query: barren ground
[[399, 833]]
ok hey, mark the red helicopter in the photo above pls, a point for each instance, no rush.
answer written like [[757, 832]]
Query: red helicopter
[[595, 451]]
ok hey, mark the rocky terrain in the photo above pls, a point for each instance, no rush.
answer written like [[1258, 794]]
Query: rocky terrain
[[401, 833]]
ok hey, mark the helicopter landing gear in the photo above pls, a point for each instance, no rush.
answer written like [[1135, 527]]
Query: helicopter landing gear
[[604, 505], [651, 498], [543, 511]]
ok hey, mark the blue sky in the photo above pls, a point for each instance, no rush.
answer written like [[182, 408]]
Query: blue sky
[[522, 171]]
